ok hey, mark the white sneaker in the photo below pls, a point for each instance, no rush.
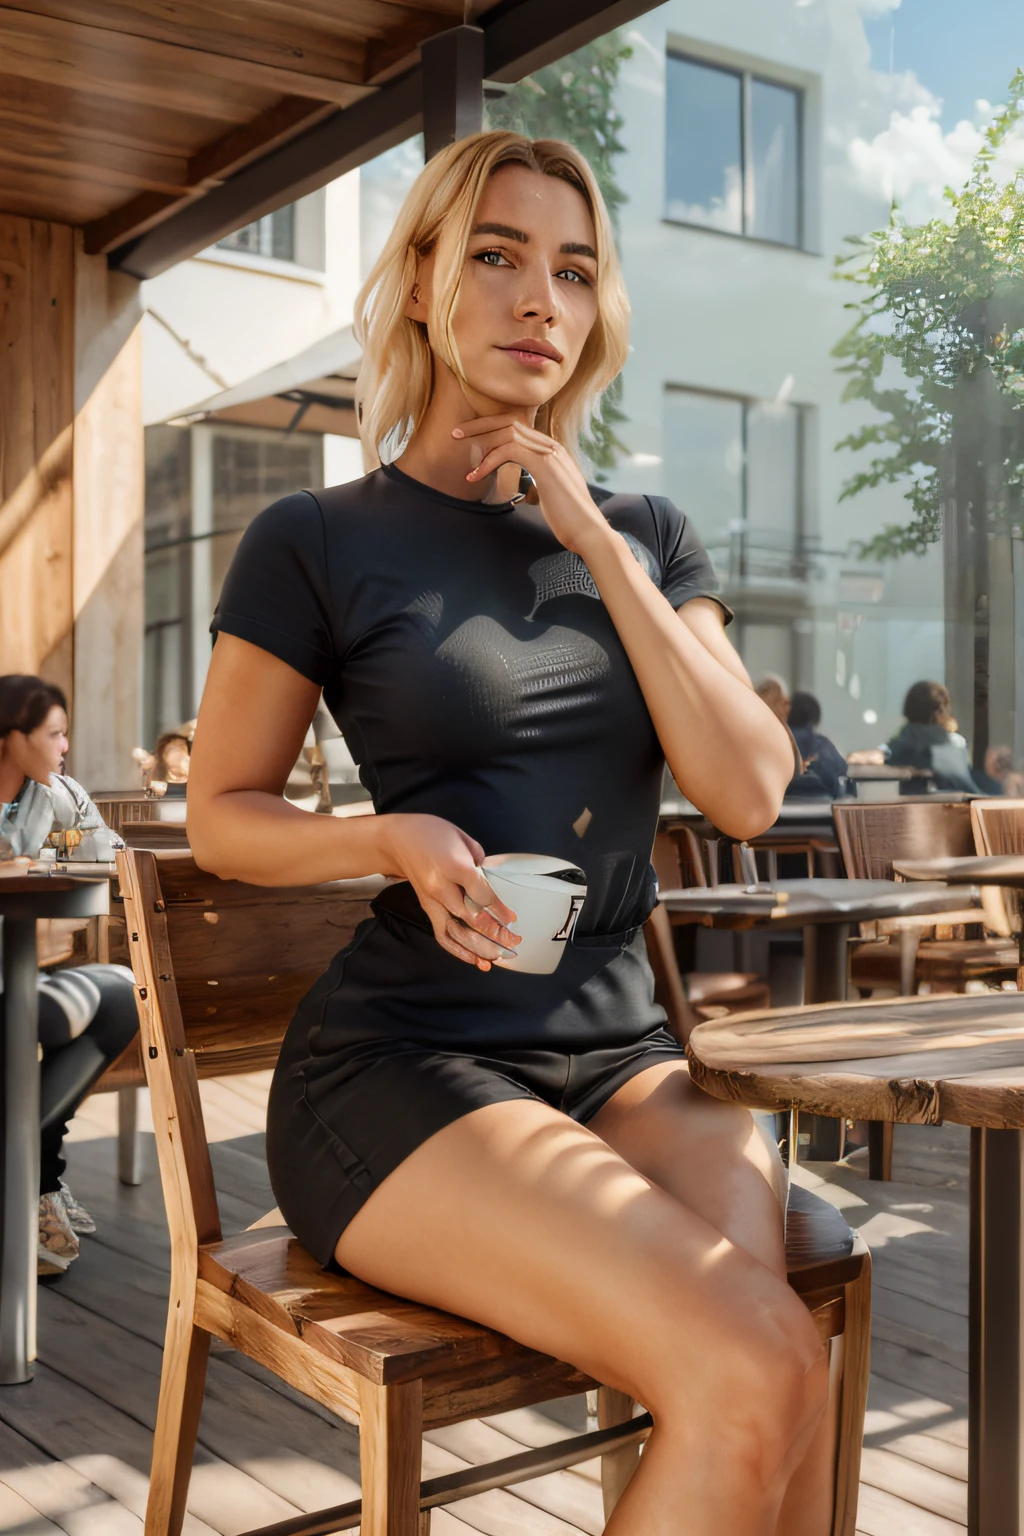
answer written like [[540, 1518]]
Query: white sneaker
[[58, 1245], [78, 1217]]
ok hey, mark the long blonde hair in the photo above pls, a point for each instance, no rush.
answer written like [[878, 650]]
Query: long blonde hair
[[396, 376]]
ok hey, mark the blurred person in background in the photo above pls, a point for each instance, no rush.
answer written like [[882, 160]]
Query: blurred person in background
[[999, 776], [773, 692], [87, 1015], [824, 765], [930, 739]]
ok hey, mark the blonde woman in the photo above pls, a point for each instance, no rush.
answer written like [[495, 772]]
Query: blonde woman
[[510, 674]]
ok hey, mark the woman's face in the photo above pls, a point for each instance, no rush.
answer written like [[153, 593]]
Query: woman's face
[[528, 296], [41, 752]]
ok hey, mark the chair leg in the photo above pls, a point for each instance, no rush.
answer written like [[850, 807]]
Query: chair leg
[[390, 1457], [855, 1371], [129, 1147], [182, 1384], [617, 1467], [880, 1149], [425, 1515]]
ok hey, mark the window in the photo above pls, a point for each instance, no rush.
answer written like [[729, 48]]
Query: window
[[733, 152], [273, 235], [204, 485], [735, 466]]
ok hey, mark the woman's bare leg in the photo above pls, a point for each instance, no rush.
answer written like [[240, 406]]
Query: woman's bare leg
[[519, 1218], [714, 1158]]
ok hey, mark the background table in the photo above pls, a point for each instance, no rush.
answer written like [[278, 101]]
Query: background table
[[24, 899], [920, 1060], [825, 909]]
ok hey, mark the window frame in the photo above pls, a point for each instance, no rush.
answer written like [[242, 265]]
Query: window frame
[[747, 76], [802, 540]]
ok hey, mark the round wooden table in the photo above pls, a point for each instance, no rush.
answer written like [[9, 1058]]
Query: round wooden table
[[23, 900], [918, 1061]]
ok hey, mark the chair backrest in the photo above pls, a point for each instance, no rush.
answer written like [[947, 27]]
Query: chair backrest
[[999, 828], [219, 967], [871, 836], [668, 982], [118, 806]]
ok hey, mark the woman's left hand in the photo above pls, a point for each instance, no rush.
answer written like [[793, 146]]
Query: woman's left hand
[[561, 491]]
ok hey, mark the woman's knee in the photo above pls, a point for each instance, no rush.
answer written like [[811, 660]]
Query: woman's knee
[[761, 1381]]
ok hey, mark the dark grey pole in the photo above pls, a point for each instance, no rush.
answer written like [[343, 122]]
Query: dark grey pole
[[995, 1497], [452, 67], [19, 1139]]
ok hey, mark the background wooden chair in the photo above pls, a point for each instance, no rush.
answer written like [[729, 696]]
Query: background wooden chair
[[871, 837], [678, 865], [999, 828], [210, 1004]]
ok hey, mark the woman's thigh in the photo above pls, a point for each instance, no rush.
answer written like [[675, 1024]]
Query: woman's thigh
[[516, 1216], [712, 1157]]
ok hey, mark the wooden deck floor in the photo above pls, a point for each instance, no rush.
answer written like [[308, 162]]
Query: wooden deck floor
[[75, 1443]]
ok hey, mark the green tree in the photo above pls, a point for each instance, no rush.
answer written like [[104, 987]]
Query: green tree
[[937, 348], [574, 100]]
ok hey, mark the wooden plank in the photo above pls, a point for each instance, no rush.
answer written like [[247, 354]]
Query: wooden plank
[[108, 1447], [919, 1485], [881, 1513], [37, 302], [60, 1493], [154, 73], [231, 33]]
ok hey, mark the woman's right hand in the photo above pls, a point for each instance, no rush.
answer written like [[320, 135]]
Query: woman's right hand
[[441, 863]]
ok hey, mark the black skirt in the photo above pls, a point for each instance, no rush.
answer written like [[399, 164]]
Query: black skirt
[[399, 1039]]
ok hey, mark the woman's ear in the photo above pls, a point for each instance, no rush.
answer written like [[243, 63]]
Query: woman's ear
[[417, 303]]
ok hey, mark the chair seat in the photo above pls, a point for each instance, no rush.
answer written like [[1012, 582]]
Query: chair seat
[[877, 963], [388, 1339]]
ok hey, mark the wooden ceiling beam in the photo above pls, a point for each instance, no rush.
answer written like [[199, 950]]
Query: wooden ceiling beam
[[205, 170], [148, 71]]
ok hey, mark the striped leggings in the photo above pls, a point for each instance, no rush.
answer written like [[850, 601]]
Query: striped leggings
[[86, 1019]]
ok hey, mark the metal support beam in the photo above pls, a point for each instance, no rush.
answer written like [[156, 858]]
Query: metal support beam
[[452, 73], [521, 37], [995, 1456]]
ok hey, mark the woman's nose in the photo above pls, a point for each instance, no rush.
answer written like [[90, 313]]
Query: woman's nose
[[537, 299]]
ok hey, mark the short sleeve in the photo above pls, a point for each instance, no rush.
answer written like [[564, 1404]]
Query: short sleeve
[[686, 570], [275, 594]]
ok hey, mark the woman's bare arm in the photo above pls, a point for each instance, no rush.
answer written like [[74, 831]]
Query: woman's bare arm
[[727, 752], [253, 719]]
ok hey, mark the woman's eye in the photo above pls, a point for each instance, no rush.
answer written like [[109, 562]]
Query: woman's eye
[[575, 277], [492, 258]]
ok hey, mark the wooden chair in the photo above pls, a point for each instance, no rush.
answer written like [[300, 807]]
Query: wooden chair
[[677, 863], [999, 828], [871, 836], [209, 1005]]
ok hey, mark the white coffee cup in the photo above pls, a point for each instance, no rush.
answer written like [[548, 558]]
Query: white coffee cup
[[546, 895]]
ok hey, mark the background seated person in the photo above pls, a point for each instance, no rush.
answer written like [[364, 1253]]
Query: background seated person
[[87, 1015], [824, 764], [930, 739]]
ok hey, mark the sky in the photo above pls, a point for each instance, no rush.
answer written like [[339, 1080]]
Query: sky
[[960, 49]]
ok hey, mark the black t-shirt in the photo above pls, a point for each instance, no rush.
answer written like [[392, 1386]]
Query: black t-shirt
[[472, 667]]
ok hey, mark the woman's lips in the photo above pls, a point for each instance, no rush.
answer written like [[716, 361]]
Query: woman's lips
[[529, 359]]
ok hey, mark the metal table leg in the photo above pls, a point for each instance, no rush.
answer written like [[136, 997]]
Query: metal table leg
[[826, 950], [19, 1150], [996, 1451]]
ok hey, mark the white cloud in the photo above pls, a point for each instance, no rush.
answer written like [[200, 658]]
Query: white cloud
[[913, 160]]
